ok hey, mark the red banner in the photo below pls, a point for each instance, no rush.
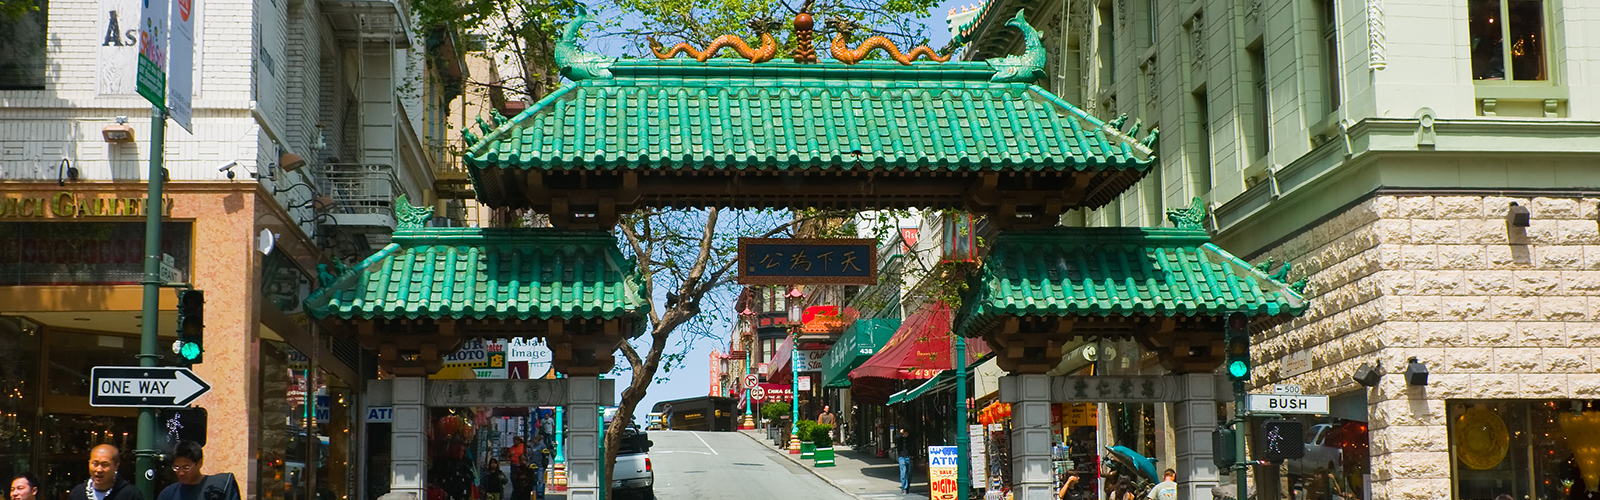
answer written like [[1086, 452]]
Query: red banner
[[764, 393]]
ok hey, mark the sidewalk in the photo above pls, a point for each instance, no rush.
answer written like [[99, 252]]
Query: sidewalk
[[857, 473]]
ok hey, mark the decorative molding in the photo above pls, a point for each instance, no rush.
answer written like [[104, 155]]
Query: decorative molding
[[1152, 85], [1253, 14], [1377, 58], [1197, 40], [1122, 14]]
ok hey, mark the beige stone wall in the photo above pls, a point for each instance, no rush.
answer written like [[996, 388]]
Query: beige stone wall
[[1494, 313]]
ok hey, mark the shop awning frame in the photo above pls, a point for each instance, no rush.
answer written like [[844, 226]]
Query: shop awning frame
[[863, 339]]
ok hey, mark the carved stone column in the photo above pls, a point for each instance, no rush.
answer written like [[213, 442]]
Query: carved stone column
[[408, 442], [583, 438], [1032, 476], [1195, 418]]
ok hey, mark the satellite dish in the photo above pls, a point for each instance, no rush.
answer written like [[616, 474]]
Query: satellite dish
[[266, 241]]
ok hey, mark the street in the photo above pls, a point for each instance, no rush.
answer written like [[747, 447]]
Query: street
[[692, 465]]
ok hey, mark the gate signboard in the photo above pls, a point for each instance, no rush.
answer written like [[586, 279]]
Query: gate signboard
[[807, 261]]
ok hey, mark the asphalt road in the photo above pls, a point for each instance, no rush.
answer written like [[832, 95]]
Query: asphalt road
[[694, 465]]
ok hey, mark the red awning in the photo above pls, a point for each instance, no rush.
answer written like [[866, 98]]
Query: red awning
[[778, 368], [919, 350]]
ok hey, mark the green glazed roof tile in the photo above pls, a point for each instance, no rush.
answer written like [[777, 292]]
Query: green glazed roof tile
[[1118, 271], [725, 114], [499, 273]]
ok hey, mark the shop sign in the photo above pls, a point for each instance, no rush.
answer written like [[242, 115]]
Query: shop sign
[[1109, 389], [82, 253], [474, 353], [771, 392], [380, 415], [979, 459], [811, 360], [805, 383], [942, 462], [1079, 414], [1286, 403], [802, 261], [495, 367], [324, 409], [67, 204], [530, 356]]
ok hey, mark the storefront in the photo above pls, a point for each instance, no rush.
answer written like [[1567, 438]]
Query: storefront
[[1524, 448], [70, 266]]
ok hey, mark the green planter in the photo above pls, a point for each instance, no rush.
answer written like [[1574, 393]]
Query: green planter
[[824, 457], [808, 449]]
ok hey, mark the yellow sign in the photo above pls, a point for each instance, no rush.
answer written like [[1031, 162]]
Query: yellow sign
[[1079, 414], [67, 204]]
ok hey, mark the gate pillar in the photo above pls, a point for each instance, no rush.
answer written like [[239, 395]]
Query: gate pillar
[[1196, 417], [582, 445], [408, 463], [1031, 472]]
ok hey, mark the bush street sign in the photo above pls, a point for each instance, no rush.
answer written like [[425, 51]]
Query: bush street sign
[[136, 386], [1287, 403]]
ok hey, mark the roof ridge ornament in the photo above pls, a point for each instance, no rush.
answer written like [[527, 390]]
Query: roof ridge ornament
[[842, 52], [1193, 217], [408, 216], [576, 63], [804, 51], [762, 26], [1027, 67]]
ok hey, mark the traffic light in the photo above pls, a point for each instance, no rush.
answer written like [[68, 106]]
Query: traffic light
[[190, 346], [1223, 452], [1280, 440], [1238, 336]]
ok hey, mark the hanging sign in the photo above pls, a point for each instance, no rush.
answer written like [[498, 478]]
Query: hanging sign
[[533, 354], [942, 472], [152, 77], [180, 85], [801, 261], [495, 367]]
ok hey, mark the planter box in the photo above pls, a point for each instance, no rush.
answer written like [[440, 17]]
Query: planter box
[[824, 457], [807, 449]]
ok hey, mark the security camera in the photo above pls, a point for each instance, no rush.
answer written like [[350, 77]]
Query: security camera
[[228, 167]]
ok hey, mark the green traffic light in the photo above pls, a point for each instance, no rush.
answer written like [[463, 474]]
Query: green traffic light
[[189, 351], [1238, 368]]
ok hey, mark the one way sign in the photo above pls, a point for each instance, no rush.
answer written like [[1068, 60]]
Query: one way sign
[[134, 386]]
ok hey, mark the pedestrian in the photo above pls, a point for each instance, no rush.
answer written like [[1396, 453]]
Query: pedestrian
[[1066, 487], [494, 481], [25, 487], [902, 449], [521, 480], [104, 483], [827, 418], [1168, 488], [536, 458], [193, 484], [547, 427]]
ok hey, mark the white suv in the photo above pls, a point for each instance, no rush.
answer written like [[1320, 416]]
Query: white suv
[[634, 473]]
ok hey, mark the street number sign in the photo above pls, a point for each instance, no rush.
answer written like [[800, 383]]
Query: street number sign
[[153, 387], [1287, 403]]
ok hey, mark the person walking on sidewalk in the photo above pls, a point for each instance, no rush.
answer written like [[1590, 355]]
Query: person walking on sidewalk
[[902, 449], [827, 418]]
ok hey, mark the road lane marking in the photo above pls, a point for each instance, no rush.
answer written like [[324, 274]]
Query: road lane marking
[[708, 445]]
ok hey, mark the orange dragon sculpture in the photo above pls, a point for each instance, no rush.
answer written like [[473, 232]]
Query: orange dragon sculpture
[[762, 27], [846, 55]]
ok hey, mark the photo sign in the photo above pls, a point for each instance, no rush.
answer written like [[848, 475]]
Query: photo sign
[[942, 462], [801, 261]]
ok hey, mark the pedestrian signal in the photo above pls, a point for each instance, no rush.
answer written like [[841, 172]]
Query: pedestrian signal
[[1280, 440]]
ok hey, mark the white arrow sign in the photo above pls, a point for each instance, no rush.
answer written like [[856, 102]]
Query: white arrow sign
[[153, 387], [1287, 403]]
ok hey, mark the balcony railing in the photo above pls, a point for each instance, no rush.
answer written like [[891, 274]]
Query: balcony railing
[[363, 194]]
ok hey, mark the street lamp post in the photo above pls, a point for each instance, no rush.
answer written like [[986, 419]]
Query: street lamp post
[[794, 300], [749, 412]]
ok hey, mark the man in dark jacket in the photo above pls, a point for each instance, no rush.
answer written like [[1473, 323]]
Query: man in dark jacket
[[193, 484], [902, 450], [103, 483]]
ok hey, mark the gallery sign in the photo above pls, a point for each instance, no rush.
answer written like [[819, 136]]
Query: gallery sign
[[68, 204], [801, 261]]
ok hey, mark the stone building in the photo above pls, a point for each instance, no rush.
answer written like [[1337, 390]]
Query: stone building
[[1384, 150]]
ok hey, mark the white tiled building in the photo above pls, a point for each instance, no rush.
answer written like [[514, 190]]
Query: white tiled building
[[1378, 146]]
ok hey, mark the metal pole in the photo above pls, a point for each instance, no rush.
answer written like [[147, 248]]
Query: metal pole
[[1241, 464], [963, 439], [794, 395], [144, 450]]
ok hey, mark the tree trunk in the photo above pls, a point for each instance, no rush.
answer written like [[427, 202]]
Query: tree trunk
[[643, 373]]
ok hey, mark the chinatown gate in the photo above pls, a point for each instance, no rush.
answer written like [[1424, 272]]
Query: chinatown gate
[[803, 133]]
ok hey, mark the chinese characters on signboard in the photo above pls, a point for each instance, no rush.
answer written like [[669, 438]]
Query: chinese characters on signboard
[[781, 261]]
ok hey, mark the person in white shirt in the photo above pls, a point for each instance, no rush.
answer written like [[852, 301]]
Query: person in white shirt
[[1168, 488]]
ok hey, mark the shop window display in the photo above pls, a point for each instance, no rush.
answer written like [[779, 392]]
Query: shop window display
[[1337, 464], [1527, 449], [305, 443]]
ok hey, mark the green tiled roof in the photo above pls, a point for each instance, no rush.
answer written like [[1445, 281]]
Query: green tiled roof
[[1119, 271], [500, 273], [730, 114]]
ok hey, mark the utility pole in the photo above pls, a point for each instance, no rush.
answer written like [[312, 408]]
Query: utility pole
[[963, 439], [144, 449]]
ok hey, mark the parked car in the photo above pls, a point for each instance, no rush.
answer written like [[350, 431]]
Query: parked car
[[1322, 451], [634, 474], [653, 421]]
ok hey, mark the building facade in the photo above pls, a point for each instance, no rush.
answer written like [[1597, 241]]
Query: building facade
[[309, 119], [1384, 150]]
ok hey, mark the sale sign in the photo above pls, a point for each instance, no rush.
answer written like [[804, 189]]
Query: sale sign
[[942, 462]]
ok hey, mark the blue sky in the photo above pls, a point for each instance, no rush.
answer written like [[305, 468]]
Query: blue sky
[[938, 33]]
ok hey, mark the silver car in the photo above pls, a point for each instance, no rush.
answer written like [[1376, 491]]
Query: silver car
[[634, 474]]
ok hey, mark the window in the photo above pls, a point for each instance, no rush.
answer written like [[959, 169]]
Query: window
[[1503, 30], [1106, 46], [22, 49], [1200, 164], [1525, 448], [1263, 104], [1330, 55], [1151, 10]]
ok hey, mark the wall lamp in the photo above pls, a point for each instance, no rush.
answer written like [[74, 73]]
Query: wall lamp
[[290, 162], [1368, 375], [1416, 372], [1518, 216], [118, 132]]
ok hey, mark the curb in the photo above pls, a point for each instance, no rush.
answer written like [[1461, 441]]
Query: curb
[[808, 468]]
